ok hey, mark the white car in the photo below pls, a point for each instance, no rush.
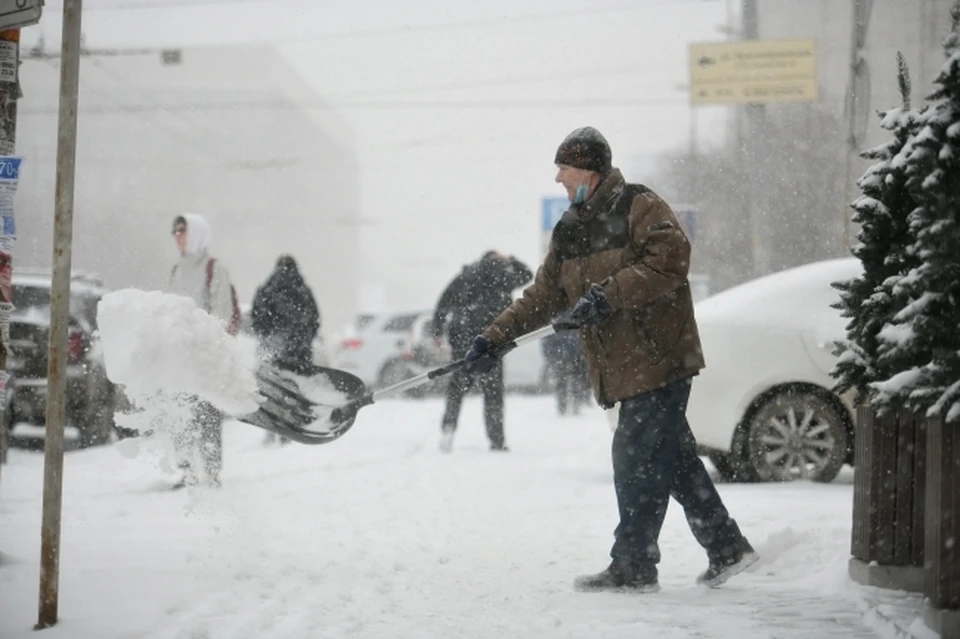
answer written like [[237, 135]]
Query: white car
[[763, 408], [764, 405], [374, 350], [524, 368]]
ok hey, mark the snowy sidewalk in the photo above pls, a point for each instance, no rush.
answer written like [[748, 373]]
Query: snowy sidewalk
[[380, 535], [895, 614]]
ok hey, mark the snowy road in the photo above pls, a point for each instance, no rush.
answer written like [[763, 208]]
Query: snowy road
[[380, 535]]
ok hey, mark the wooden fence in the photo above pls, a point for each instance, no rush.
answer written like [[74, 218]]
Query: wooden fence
[[889, 491]]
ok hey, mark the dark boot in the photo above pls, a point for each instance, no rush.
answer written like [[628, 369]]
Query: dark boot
[[620, 576], [723, 568]]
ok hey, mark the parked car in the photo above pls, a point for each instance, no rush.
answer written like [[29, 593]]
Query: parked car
[[763, 408], [91, 397], [374, 348], [524, 369], [422, 353]]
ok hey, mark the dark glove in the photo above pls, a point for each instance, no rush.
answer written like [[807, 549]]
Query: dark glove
[[481, 356], [592, 307]]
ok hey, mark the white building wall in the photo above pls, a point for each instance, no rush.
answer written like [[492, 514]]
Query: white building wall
[[231, 133]]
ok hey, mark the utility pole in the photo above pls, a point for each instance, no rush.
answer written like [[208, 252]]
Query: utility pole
[[59, 314], [856, 107], [752, 151], [9, 94]]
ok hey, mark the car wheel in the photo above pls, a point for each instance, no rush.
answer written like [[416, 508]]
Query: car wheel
[[729, 467], [796, 434]]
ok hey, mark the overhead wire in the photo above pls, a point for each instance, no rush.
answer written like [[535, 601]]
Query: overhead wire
[[504, 21], [354, 104], [524, 80], [286, 105], [169, 4], [190, 4], [191, 141]]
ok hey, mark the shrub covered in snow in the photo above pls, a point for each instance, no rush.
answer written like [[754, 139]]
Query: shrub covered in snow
[[882, 213], [921, 346]]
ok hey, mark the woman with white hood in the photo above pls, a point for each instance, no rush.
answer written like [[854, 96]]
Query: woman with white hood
[[203, 279]]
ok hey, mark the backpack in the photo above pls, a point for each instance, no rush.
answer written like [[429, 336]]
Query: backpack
[[233, 326]]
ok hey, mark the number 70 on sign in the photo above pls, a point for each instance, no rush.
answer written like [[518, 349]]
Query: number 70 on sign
[[9, 167]]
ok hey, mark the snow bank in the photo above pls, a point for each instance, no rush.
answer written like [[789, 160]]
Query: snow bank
[[160, 343], [784, 298]]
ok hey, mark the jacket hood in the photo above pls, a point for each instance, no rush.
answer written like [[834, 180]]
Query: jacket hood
[[198, 233]]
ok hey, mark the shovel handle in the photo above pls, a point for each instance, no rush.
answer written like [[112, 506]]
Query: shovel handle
[[347, 411]]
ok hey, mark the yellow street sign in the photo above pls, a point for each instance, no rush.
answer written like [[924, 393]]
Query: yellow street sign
[[753, 71], [764, 91]]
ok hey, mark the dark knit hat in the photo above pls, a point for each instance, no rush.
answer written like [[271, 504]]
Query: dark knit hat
[[587, 149]]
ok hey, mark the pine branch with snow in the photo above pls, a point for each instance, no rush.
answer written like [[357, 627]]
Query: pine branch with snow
[[882, 211], [927, 327]]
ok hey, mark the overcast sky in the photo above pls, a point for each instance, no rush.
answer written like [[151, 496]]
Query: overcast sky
[[456, 108]]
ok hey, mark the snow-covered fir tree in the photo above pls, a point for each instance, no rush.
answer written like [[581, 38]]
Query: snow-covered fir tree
[[929, 326], [882, 212]]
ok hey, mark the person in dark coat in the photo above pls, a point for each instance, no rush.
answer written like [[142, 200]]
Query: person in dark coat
[[469, 303], [564, 356], [285, 320], [285, 316], [618, 263]]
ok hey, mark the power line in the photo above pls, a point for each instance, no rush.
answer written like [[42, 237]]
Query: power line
[[315, 165], [524, 80], [499, 82], [118, 107], [191, 141], [168, 4], [402, 30], [189, 4], [281, 105], [490, 22]]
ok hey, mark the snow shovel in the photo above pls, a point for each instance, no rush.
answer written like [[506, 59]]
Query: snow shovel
[[287, 411]]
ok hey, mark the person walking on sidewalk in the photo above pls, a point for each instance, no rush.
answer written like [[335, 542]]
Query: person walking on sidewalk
[[476, 296], [206, 281]]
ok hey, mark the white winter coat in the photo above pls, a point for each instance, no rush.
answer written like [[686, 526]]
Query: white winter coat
[[189, 277]]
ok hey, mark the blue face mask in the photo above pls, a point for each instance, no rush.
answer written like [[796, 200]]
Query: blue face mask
[[581, 195]]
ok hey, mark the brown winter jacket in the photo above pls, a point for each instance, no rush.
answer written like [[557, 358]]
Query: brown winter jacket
[[627, 239]]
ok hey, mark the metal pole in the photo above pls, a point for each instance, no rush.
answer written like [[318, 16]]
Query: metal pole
[[59, 310], [9, 93], [755, 115], [850, 148], [855, 106]]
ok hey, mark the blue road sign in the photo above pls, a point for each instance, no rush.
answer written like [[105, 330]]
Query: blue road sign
[[552, 208]]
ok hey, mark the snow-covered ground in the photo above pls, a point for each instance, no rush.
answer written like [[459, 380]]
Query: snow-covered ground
[[381, 535]]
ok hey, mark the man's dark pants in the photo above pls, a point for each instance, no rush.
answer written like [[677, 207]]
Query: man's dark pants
[[654, 458], [491, 383]]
